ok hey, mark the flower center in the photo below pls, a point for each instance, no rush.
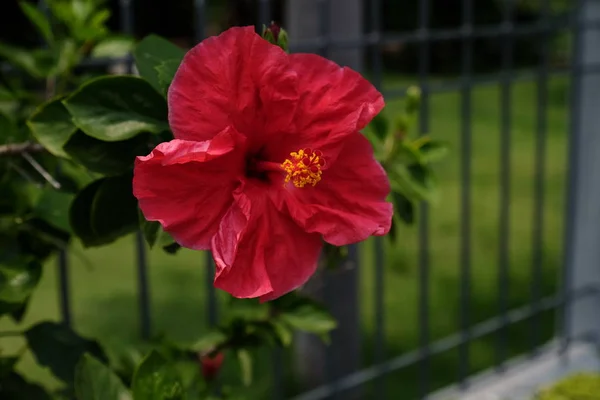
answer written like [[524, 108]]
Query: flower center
[[304, 167]]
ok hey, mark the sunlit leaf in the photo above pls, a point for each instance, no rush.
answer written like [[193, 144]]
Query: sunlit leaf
[[156, 379], [59, 348], [116, 108], [152, 52], [38, 19], [95, 381]]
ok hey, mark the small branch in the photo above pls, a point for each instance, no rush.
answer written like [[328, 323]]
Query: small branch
[[16, 149], [41, 170]]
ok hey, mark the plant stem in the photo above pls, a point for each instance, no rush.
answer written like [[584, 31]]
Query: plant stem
[[16, 149]]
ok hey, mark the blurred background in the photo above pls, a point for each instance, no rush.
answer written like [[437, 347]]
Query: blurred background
[[495, 77]]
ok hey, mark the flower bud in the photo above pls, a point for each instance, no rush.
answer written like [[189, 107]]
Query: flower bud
[[413, 99], [211, 365], [401, 126], [276, 35]]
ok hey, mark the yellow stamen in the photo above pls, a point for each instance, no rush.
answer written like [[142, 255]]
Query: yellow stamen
[[304, 167]]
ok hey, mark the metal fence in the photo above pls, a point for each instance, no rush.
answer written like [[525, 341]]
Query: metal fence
[[331, 27]]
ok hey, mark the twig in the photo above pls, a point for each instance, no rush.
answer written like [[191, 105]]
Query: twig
[[15, 149], [41, 170], [24, 173]]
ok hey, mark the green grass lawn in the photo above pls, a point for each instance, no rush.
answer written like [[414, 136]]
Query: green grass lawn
[[104, 287]]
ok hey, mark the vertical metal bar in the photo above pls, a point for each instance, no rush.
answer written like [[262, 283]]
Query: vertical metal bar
[[465, 172], [211, 294], [324, 29], [539, 168], [143, 285], [376, 61], [64, 288], [324, 6], [380, 342], [574, 176], [277, 391], [126, 20], [127, 26], [200, 20], [505, 171], [264, 13], [424, 265]]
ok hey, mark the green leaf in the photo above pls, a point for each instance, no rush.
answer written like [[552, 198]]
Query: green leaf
[[59, 348], [104, 211], [113, 47], [154, 233], [95, 381], [7, 365], [10, 104], [282, 332], [114, 108], [166, 72], [10, 133], [245, 360], [172, 248], [52, 126], [38, 63], [150, 53], [114, 210], [109, 158], [150, 229], [246, 310], [39, 20], [304, 314], [310, 319], [334, 256], [416, 182], [404, 208], [209, 341], [85, 20], [19, 311], [95, 26], [433, 151], [53, 207], [156, 379], [73, 176], [12, 309], [15, 387], [18, 196], [380, 126], [18, 280], [407, 153], [66, 56], [80, 214]]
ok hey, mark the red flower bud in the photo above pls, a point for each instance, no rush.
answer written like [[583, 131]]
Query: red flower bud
[[275, 35], [211, 365], [275, 29]]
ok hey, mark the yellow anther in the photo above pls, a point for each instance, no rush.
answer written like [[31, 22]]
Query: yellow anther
[[304, 167]]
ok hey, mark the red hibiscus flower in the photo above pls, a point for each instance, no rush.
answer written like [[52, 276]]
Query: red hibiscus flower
[[267, 162]]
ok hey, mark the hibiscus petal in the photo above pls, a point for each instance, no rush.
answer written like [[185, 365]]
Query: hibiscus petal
[[187, 186], [334, 102], [349, 203], [236, 78], [260, 252]]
